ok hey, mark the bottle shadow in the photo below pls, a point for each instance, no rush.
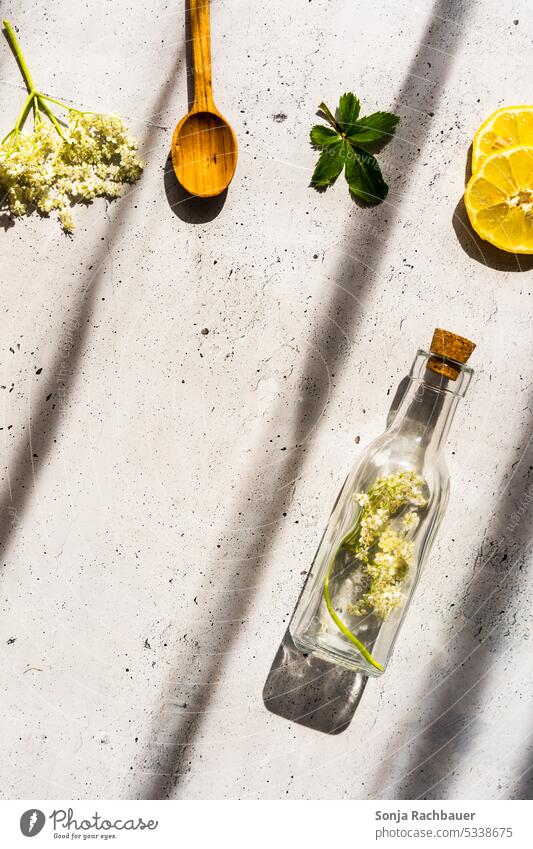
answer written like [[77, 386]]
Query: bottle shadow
[[307, 690]]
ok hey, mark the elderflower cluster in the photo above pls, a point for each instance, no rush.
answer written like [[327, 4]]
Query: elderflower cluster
[[383, 541], [50, 172]]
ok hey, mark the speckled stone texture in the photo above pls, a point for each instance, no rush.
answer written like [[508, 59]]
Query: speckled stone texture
[[185, 386]]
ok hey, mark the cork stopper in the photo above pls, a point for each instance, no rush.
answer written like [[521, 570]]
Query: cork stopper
[[452, 347]]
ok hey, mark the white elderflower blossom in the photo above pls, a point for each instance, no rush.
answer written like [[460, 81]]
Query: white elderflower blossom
[[60, 164], [382, 541], [43, 170]]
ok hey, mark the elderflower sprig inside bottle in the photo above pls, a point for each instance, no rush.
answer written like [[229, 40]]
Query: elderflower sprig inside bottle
[[385, 520], [62, 161]]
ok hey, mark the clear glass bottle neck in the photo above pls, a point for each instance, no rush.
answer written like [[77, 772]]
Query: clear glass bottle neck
[[426, 411]]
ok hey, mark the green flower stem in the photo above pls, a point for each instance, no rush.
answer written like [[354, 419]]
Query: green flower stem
[[34, 96], [46, 109], [65, 105], [57, 102], [14, 42], [333, 613], [24, 112]]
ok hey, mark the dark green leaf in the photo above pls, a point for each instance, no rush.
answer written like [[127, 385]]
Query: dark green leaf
[[329, 165], [348, 111], [326, 112], [323, 136], [373, 127], [344, 142], [364, 177]]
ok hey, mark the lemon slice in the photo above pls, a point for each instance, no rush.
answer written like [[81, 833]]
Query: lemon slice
[[499, 200], [511, 126]]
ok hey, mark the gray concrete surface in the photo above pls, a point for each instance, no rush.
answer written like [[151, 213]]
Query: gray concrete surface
[[163, 491]]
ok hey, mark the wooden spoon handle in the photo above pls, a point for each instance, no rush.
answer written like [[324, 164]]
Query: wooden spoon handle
[[201, 51]]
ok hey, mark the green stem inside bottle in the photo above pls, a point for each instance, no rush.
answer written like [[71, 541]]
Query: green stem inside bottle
[[352, 535]]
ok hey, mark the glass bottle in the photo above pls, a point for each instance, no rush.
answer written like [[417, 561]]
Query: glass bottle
[[384, 521]]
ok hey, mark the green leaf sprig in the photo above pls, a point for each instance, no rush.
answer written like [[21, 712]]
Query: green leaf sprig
[[344, 145]]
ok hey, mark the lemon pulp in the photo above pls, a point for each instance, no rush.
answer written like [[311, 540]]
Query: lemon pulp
[[511, 126], [499, 199]]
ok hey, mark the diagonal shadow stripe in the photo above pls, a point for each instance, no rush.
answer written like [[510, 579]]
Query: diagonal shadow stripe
[[45, 414], [489, 598], [353, 281]]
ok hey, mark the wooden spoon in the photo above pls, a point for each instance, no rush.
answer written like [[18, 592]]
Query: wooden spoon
[[204, 147]]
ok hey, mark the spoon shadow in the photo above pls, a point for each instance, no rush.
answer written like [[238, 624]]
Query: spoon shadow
[[187, 207]]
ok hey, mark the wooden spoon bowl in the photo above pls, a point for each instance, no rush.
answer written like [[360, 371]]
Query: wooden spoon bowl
[[204, 147], [204, 153]]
